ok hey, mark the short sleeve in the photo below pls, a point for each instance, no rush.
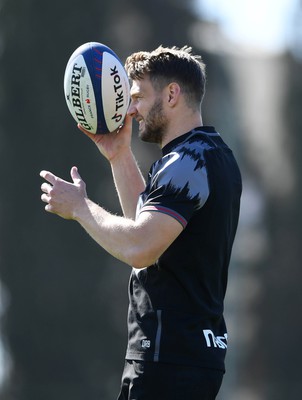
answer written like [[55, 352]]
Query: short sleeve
[[178, 185]]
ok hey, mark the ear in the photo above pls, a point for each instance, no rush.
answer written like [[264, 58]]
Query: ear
[[173, 93]]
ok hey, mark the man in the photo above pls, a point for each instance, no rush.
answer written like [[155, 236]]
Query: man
[[176, 233]]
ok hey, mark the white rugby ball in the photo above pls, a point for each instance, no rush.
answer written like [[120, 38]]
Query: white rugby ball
[[96, 88]]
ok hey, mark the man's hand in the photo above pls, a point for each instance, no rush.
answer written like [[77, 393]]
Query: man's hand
[[113, 144], [123, 238], [61, 197]]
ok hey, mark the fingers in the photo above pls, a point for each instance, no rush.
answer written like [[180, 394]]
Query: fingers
[[84, 131], [128, 121], [53, 179], [49, 177], [46, 188], [92, 136], [61, 197], [127, 124], [46, 196], [75, 176]]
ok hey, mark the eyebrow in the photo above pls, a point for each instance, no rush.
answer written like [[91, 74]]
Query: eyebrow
[[135, 93]]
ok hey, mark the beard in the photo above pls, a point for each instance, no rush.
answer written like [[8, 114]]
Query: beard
[[155, 124]]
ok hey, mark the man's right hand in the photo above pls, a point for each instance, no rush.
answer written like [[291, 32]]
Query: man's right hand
[[112, 144]]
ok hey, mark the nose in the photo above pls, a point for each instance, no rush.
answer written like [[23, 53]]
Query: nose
[[131, 110]]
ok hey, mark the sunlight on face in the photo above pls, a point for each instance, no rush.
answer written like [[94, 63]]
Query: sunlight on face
[[155, 124], [147, 108]]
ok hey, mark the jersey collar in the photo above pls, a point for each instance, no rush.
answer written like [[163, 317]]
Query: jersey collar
[[208, 130]]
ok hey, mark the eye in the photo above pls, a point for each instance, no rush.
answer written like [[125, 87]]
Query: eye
[[136, 96], [136, 99]]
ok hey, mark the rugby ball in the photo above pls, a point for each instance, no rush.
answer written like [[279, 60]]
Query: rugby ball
[[96, 88]]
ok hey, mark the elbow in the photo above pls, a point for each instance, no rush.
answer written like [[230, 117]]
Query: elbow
[[139, 259]]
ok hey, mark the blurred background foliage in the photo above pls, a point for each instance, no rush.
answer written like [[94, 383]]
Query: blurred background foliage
[[63, 299]]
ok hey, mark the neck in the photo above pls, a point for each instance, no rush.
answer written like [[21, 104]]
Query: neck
[[180, 125]]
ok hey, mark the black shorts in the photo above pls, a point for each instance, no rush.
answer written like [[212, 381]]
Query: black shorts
[[161, 381]]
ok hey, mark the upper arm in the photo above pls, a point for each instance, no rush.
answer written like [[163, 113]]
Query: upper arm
[[155, 232], [177, 188]]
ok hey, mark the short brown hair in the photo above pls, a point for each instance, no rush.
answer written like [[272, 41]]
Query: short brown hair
[[171, 64]]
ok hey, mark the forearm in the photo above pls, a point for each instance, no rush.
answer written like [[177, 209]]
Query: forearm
[[129, 182], [138, 242]]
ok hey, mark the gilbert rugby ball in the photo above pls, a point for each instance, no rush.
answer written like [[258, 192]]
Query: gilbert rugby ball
[[96, 88]]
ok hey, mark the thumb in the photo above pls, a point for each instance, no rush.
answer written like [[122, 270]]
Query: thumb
[[75, 176]]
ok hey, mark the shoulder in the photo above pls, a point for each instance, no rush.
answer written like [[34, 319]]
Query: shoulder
[[185, 157]]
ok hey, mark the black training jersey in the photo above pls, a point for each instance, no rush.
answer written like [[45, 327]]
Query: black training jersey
[[176, 305]]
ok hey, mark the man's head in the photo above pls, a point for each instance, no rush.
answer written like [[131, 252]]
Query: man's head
[[167, 84], [165, 65]]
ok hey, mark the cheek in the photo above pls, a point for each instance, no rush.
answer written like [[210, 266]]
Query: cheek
[[142, 109]]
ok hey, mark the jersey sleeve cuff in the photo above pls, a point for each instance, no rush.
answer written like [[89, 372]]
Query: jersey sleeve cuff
[[167, 211]]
